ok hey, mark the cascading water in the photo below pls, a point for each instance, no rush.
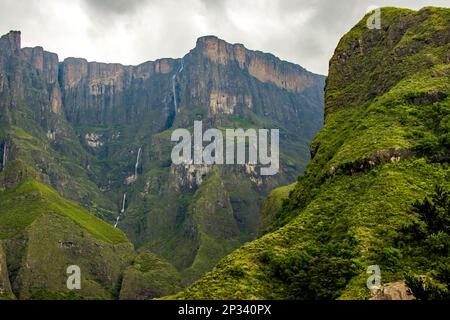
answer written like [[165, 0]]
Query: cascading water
[[137, 163], [122, 210], [3, 164], [136, 166], [123, 203], [174, 86]]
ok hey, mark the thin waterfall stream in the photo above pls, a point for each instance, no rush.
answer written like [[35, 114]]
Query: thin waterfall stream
[[136, 166], [122, 210], [137, 163], [174, 86], [4, 156]]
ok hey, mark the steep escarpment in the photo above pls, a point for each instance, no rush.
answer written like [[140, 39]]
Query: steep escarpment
[[230, 79], [103, 94], [376, 189], [33, 125], [118, 110], [99, 134]]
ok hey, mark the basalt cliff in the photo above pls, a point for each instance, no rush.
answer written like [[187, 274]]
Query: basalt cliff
[[86, 176]]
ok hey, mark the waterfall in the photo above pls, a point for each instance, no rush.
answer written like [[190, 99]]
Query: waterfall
[[174, 85], [122, 210], [4, 157], [137, 163], [123, 203], [136, 166], [174, 92]]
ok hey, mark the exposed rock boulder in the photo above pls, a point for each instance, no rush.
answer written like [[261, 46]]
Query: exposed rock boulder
[[394, 291]]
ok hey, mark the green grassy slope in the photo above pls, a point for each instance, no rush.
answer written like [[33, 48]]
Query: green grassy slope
[[384, 146], [29, 199], [42, 234], [149, 277], [61, 163], [272, 207]]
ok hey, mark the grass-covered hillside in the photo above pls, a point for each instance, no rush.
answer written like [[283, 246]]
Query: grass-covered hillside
[[149, 277], [42, 234], [377, 189]]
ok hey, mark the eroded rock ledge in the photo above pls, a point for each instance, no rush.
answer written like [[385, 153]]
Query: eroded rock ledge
[[363, 165]]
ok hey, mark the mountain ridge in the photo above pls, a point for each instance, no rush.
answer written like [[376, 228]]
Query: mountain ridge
[[99, 134], [362, 201]]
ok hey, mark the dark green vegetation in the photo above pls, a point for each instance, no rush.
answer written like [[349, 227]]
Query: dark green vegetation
[[429, 236], [384, 149], [149, 277], [69, 138], [271, 208]]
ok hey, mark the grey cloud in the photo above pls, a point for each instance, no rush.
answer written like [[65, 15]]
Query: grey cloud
[[133, 31], [115, 7]]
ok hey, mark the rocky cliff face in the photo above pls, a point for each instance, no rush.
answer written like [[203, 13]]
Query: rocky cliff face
[[113, 94], [225, 78], [33, 124], [230, 79], [97, 131]]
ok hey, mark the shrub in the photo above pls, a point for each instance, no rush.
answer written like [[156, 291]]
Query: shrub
[[425, 288]]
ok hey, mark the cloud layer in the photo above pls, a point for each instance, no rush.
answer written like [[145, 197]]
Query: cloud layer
[[133, 31]]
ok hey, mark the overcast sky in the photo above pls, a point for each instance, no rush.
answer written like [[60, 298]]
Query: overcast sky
[[133, 31]]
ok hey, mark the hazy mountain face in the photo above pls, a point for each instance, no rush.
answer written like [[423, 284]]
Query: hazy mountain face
[[99, 134]]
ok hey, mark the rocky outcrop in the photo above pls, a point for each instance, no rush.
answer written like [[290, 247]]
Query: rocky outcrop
[[106, 94], [25, 68], [93, 140], [232, 80], [44, 62], [366, 164], [394, 291], [227, 78], [11, 41], [262, 66], [190, 176]]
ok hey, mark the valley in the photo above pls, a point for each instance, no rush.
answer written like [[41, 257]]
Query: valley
[[99, 135], [360, 193]]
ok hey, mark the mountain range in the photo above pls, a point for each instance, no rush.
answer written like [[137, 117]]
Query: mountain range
[[87, 176]]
